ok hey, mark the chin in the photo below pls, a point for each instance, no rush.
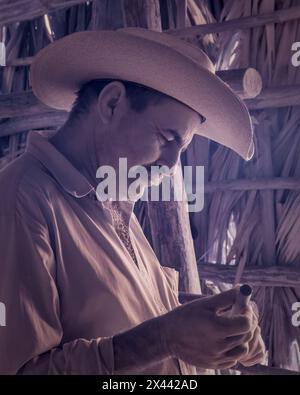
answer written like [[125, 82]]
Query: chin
[[155, 182]]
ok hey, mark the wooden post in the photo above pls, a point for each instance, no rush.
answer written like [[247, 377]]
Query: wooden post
[[169, 221], [246, 83], [142, 13], [106, 15]]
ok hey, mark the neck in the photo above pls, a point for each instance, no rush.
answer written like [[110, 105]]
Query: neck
[[77, 145]]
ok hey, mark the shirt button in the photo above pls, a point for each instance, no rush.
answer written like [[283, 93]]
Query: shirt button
[[161, 307]]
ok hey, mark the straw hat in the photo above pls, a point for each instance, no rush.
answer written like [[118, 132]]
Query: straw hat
[[157, 60]]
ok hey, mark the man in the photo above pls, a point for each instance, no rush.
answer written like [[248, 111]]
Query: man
[[83, 290]]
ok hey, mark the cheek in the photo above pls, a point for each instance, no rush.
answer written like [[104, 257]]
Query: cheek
[[146, 148]]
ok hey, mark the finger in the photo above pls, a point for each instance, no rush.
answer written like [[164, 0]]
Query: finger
[[258, 358], [236, 353], [256, 348], [256, 344], [233, 326], [226, 365], [248, 310], [222, 300], [234, 341]]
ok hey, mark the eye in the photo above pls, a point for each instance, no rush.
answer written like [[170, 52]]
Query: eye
[[164, 138]]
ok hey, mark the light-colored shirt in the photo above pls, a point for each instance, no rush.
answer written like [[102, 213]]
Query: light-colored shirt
[[67, 280]]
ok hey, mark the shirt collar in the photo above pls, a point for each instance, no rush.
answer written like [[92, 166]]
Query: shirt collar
[[61, 169]]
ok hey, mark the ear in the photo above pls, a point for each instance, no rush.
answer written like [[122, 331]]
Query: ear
[[111, 101]]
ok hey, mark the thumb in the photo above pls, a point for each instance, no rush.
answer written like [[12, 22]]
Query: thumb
[[223, 300]]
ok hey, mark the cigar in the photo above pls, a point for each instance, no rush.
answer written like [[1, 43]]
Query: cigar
[[242, 299]]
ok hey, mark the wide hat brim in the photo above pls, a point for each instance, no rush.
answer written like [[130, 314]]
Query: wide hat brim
[[157, 60]]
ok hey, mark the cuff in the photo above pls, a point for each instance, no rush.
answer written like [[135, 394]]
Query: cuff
[[106, 355]]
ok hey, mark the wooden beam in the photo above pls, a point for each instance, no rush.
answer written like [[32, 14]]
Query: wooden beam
[[25, 103], [21, 104], [282, 96], [22, 10], [269, 276], [246, 83], [48, 120], [281, 16], [260, 184]]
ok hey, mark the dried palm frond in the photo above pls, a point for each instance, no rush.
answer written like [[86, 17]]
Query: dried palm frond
[[263, 225]]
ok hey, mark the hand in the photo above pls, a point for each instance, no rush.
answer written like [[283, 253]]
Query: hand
[[198, 334], [257, 350]]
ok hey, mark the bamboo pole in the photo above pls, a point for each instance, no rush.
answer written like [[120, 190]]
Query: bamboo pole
[[264, 276], [280, 16], [23, 10]]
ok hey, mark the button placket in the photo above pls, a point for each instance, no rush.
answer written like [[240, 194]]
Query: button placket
[[148, 280]]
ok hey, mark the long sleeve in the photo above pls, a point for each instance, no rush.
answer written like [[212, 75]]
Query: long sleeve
[[30, 343]]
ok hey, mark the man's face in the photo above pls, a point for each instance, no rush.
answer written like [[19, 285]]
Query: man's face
[[154, 137]]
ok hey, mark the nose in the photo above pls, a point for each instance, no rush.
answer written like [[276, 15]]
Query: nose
[[170, 156]]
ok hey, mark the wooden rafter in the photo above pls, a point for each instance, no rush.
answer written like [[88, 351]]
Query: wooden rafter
[[249, 22], [23, 10], [276, 97], [25, 103]]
